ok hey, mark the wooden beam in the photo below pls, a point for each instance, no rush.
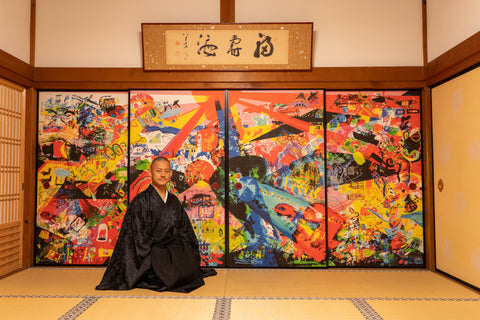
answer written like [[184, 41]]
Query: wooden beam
[[321, 78], [16, 70], [227, 11], [456, 60]]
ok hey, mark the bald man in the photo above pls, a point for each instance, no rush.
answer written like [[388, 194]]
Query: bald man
[[157, 248]]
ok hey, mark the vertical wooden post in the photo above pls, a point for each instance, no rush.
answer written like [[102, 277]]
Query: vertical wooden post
[[29, 158], [33, 19], [428, 183], [227, 11]]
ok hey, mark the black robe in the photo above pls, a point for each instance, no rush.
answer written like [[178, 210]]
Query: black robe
[[156, 249]]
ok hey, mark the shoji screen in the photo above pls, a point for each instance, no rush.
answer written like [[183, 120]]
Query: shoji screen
[[12, 104]]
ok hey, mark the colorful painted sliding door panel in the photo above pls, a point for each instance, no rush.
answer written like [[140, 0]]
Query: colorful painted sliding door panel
[[374, 170], [81, 175], [276, 178], [187, 127]]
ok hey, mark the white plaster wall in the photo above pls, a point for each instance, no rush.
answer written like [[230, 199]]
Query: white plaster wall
[[107, 33], [450, 22], [15, 28], [350, 32]]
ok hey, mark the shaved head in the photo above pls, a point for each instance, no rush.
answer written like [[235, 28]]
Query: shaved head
[[159, 159]]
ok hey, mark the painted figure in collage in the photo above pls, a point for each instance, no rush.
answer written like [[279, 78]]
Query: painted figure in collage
[[187, 127], [374, 170], [276, 177], [81, 175]]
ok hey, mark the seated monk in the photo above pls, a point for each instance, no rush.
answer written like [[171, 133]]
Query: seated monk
[[157, 248]]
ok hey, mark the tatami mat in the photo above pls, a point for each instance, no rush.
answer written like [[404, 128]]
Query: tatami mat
[[339, 283], [427, 310], [251, 294], [168, 308], [242, 309], [82, 281], [35, 308]]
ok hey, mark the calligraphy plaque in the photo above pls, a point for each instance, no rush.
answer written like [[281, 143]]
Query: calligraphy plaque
[[261, 46]]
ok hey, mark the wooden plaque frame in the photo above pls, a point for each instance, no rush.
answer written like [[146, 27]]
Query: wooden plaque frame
[[253, 46]]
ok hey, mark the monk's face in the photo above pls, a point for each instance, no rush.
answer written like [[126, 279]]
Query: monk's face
[[161, 173]]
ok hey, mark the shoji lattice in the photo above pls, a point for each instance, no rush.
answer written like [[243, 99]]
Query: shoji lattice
[[12, 101]]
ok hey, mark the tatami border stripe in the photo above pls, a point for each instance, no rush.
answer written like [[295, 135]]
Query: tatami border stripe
[[239, 297], [78, 309], [351, 298], [222, 309], [365, 309]]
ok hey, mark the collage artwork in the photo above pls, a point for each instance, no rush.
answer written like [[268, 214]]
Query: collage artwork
[[273, 178]]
